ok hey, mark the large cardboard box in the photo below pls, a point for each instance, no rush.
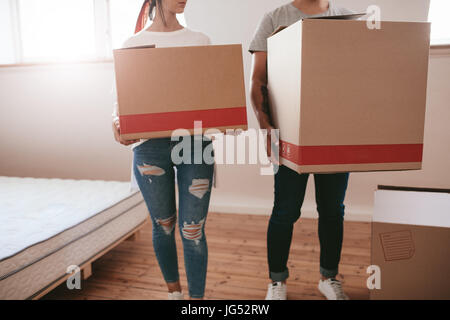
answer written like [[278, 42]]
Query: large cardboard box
[[347, 98], [411, 243], [163, 89]]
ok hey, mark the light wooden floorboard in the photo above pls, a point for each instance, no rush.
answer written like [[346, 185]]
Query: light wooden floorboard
[[237, 267]]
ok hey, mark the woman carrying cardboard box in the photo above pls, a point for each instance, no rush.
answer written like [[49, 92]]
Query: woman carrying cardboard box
[[155, 171]]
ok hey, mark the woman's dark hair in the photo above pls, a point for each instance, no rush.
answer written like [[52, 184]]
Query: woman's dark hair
[[156, 4]]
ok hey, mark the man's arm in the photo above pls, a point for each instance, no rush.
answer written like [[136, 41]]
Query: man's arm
[[260, 97], [259, 92]]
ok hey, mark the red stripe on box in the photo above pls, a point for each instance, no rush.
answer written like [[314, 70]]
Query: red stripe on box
[[167, 121], [351, 154]]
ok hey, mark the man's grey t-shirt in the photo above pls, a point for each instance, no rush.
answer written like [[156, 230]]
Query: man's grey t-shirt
[[285, 16]]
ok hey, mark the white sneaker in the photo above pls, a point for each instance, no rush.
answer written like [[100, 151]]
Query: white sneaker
[[176, 296], [332, 289], [277, 291]]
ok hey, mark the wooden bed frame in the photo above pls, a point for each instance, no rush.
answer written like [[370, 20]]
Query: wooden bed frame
[[86, 267]]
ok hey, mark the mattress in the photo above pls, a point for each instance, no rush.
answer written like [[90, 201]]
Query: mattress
[[47, 225]]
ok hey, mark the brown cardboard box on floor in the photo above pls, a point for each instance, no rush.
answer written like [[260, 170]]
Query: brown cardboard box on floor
[[347, 98], [411, 243], [163, 89]]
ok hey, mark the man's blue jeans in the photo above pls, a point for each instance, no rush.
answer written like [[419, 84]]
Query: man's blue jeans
[[290, 190], [155, 175]]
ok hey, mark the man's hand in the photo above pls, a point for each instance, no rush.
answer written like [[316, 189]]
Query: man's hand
[[265, 124], [117, 137]]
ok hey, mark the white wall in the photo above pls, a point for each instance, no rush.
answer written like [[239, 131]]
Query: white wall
[[55, 120], [392, 10]]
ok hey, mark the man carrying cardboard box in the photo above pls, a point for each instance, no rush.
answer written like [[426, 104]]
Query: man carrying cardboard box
[[290, 186]]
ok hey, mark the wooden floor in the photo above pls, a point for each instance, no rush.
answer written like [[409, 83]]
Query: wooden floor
[[237, 267]]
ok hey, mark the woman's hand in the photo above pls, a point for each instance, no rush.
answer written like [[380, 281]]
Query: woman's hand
[[117, 137]]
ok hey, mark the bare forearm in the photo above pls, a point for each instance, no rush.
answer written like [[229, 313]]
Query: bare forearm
[[260, 101]]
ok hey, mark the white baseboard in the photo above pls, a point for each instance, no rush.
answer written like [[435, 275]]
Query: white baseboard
[[362, 216]]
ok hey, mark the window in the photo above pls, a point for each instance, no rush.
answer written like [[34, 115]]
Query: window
[[57, 29], [440, 23], [64, 30], [7, 53]]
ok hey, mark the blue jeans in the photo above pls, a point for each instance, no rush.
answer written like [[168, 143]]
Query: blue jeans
[[155, 175], [290, 190]]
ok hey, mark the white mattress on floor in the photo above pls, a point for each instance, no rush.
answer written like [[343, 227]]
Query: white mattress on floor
[[34, 210]]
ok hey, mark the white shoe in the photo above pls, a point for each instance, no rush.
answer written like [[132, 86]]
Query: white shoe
[[332, 289], [277, 291], [176, 296]]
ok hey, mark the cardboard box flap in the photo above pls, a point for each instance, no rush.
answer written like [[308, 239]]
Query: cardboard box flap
[[138, 47], [280, 28], [353, 16], [416, 189]]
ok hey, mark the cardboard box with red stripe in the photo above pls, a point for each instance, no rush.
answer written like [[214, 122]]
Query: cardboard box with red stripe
[[349, 98], [160, 90]]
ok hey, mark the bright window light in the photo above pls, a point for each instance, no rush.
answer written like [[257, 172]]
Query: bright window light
[[440, 23], [123, 15], [57, 30], [6, 34]]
